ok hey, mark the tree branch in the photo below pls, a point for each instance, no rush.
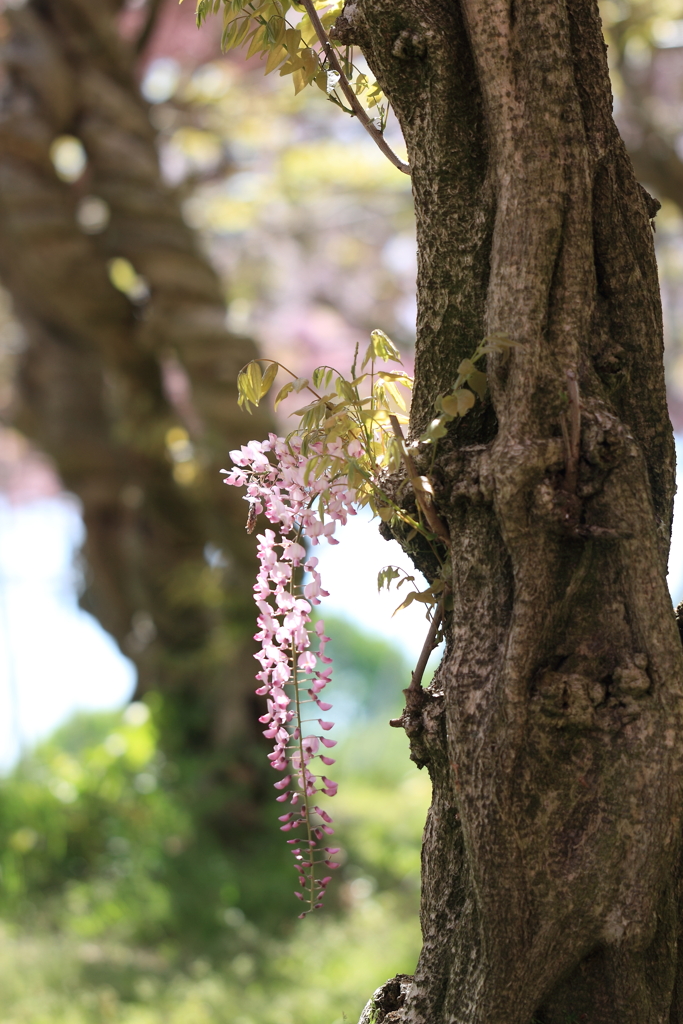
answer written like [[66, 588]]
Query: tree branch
[[350, 95], [428, 647]]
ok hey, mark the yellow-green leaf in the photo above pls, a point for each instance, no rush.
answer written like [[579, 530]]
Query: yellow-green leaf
[[459, 403], [257, 42], [283, 392], [275, 57], [292, 40], [395, 394], [369, 354], [268, 378], [229, 36], [308, 33], [385, 514], [361, 84], [344, 390], [436, 429], [290, 66], [466, 368], [242, 31], [275, 34], [309, 59], [307, 408], [404, 604], [245, 386], [330, 16], [254, 379], [379, 417], [500, 340], [396, 375], [384, 347], [478, 382], [386, 575]]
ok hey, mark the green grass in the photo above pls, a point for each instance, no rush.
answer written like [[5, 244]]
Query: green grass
[[98, 855], [323, 973]]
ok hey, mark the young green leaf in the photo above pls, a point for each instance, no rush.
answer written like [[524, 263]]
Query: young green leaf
[[395, 394], [292, 40], [283, 392], [369, 355], [478, 382], [466, 368], [406, 579], [404, 604], [344, 390], [254, 382], [459, 403], [436, 429], [257, 41], [276, 56], [384, 347], [268, 378], [386, 575], [245, 385]]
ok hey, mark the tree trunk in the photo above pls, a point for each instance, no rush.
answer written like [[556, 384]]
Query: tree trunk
[[91, 382], [552, 730]]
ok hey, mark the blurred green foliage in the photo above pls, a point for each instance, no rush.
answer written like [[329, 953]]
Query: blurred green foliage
[[369, 674], [322, 974], [116, 907], [95, 840], [309, 223]]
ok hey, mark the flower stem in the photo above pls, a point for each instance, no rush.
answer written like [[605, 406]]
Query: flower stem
[[302, 770]]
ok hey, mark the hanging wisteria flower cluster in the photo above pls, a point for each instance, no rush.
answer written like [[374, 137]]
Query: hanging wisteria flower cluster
[[292, 675], [305, 485]]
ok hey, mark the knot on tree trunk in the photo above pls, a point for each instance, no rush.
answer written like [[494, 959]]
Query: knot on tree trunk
[[387, 1001], [345, 29], [422, 719]]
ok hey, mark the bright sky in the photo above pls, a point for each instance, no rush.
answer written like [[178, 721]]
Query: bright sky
[[56, 659]]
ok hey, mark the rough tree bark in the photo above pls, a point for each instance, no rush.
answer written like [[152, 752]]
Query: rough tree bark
[[552, 729], [91, 381]]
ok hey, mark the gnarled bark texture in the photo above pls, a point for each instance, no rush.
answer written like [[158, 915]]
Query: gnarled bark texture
[[92, 381], [552, 730]]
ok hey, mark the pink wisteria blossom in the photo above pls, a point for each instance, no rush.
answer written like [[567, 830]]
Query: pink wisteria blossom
[[292, 675]]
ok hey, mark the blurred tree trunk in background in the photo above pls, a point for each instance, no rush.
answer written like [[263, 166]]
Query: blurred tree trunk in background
[[650, 141], [131, 394]]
